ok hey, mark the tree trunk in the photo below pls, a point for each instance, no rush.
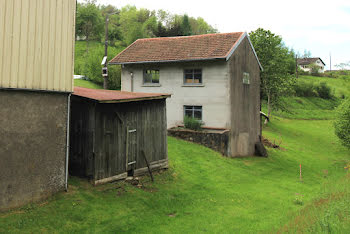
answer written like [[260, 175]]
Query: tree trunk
[[268, 108], [87, 44]]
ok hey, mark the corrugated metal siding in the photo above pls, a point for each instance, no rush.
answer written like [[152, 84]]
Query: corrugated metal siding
[[37, 44]]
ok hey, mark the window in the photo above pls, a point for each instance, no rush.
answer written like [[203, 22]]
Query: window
[[246, 78], [193, 111], [193, 76], [151, 76]]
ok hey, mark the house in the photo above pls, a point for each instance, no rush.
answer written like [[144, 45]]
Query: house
[[306, 64], [36, 79], [212, 77], [113, 131]]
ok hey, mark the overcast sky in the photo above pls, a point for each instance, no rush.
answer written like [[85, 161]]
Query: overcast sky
[[322, 27]]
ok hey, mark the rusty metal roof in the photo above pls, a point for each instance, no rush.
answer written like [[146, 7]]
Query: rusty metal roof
[[112, 96]]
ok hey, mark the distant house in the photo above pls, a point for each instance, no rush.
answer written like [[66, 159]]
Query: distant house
[[214, 78], [306, 64], [36, 79]]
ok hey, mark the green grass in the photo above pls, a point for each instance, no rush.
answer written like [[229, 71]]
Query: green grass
[[205, 192], [313, 108], [202, 191], [339, 86], [86, 84]]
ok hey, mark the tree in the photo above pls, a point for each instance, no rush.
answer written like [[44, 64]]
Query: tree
[[275, 59], [185, 26], [342, 123], [343, 66], [89, 21]]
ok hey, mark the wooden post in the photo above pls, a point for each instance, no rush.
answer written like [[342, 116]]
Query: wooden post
[[127, 149]]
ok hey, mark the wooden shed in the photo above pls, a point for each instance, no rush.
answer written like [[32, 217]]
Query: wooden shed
[[112, 132]]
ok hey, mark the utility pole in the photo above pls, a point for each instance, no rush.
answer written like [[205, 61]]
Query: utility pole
[[105, 76], [330, 61], [104, 61], [296, 66]]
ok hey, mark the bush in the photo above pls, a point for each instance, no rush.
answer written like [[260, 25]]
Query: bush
[[309, 89], [305, 89], [323, 90], [89, 65], [342, 123], [192, 123]]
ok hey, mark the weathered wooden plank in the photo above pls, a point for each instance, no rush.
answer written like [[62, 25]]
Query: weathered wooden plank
[[112, 178]]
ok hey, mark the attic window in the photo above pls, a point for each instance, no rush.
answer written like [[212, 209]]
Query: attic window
[[193, 76], [246, 78], [151, 76]]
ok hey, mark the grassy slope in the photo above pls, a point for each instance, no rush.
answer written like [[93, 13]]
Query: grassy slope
[[86, 84], [340, 86], [203, 191]]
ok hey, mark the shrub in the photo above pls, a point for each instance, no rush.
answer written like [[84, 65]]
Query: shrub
[[305, 89], [342, 123], [90, 66], [192, 123], [323, 90]]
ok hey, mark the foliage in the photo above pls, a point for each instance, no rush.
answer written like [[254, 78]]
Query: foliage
[[310, 89], [89, 64], [305, 89], [343, 66], [192, 123], [315, 70], [89, 21], [324, 91], [342, 123], [277, 61]]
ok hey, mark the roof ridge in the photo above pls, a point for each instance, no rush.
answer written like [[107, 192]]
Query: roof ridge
[[181, 37]]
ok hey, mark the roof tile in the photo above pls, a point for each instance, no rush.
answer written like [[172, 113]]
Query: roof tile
[[207, 46]]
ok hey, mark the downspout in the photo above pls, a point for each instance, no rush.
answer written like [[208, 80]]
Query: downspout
[[67, 143], [132, 81]]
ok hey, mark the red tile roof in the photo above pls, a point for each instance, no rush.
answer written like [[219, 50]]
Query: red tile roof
[[184, 48], [111, 96]]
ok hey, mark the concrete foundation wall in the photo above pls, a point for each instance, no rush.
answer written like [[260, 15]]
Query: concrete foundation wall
[[32, 145], [212, 95]]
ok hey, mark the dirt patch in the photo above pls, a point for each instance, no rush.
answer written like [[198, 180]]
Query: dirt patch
[[269, 144], [305, 220]]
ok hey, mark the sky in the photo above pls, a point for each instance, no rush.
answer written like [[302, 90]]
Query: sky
[[321, 27]]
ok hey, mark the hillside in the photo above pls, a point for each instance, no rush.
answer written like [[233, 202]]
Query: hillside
[[205, 192]]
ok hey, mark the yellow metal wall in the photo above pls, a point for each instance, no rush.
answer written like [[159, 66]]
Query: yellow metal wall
[[37, 44]]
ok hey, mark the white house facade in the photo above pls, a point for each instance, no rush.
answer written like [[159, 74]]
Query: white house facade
[[210, 95], [214, 78], [306, 64]]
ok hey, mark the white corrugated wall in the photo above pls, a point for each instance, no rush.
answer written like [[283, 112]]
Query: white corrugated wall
[[37, 44]]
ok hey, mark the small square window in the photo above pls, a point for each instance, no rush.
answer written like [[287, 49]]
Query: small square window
[[193, 112], [193, 76], [246, 78], [151, 76]]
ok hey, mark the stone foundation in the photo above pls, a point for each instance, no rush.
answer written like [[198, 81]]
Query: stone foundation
[[216, 139]]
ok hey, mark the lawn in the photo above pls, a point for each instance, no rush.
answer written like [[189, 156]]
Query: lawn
[[340, 86], [203, 191], [86, 84]]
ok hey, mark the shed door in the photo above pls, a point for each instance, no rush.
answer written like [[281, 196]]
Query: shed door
[[131, 147]]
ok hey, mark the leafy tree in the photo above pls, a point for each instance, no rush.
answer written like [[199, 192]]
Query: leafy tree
[[342, 123], [275, 59], [89, 21], [186, 27]]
